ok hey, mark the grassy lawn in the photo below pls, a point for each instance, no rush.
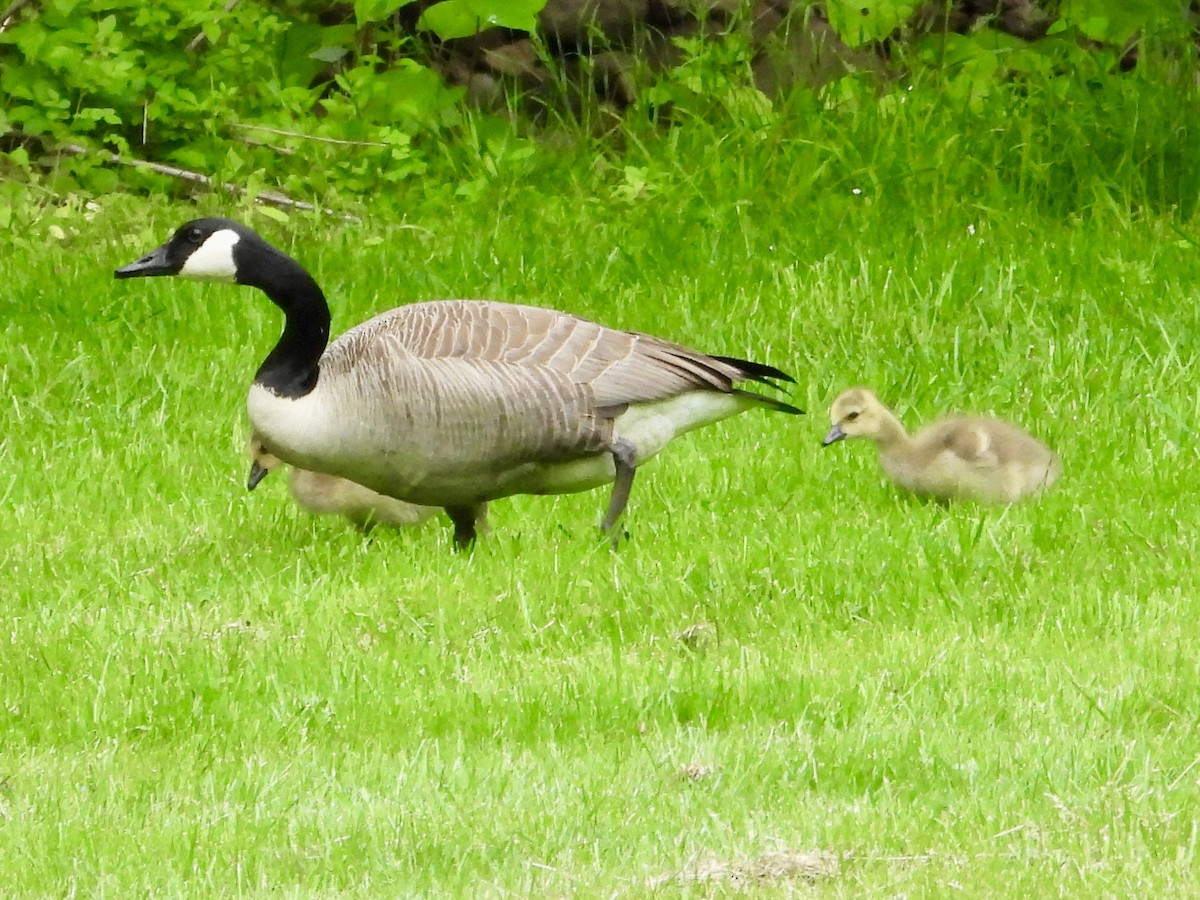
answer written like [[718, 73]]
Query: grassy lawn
[[210, 692]]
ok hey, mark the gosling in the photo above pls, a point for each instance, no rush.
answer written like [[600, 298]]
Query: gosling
[[330, 495], [957, 458]]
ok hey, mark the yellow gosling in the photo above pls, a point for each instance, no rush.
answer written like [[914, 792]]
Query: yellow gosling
[[956, 458], [330, 495]]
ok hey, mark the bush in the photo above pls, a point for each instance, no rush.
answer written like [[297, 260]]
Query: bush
[[330, 103]]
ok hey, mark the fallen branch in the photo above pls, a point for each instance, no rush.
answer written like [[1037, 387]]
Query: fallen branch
[[273, 198], [194, 43], [13, 9], [308, 137], [254, 142]]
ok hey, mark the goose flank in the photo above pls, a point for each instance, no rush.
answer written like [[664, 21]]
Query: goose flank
[[956, 458], [454, 403]]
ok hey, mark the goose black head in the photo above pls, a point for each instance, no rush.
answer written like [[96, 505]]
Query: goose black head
[[224, 250], [203, 249]]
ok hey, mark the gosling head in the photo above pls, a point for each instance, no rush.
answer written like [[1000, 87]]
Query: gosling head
[[262, 462], [855, 413], [205, 250]]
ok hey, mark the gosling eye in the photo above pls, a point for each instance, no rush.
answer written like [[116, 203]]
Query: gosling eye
[[851, 416]]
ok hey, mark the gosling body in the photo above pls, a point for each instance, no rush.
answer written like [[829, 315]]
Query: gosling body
[[330, 495], [957, 458]]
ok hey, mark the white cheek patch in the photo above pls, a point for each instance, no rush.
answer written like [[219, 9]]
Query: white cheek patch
[[213, 260]]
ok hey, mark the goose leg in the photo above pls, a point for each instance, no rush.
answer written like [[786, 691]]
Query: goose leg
[[464, 519], [482, 526], [625, 460]]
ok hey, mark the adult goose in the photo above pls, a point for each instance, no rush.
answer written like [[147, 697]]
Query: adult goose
[[956, 458], [454, 403], [329, 495]]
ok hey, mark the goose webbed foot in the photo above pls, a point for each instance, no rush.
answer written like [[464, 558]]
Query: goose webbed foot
[[465, 519], [625, 461]]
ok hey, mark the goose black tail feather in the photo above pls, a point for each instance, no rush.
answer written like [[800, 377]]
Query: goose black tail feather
[[770, 402], [757, 371]]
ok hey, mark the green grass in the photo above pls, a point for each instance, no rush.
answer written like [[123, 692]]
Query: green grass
[[207, 692]]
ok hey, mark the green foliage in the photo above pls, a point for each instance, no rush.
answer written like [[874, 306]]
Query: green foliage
[[859, 22], [245, 95], [1116, 21], [1063, 132], [367, 12], [461, 18], [713, 84], [332, 111]]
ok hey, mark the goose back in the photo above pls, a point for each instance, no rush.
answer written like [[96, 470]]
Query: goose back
[[619, 367]]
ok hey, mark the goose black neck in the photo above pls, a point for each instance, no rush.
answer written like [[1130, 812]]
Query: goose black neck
[[291, 368]]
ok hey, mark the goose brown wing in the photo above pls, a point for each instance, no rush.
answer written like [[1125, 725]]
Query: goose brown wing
[[617, 367]]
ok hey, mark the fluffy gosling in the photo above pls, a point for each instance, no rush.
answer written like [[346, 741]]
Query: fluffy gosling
[[330, 495], [957, 458]]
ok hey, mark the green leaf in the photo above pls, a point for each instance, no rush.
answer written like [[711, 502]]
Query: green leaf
[[304, 49], [1111, 21], [366, 11], [273, 213], [410, 90], [329, 54], [451, 19], [858, 22], [462, 18], [20, 157]]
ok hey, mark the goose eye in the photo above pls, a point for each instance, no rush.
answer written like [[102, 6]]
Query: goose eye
[[194, 235]]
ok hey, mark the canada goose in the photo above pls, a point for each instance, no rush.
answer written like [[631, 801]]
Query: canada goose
[[329, 495], [952, 459], [453, 403]]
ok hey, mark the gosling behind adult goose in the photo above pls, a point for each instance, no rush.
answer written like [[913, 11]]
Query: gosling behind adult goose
[[957, 458], [329, 495], [454, 403]]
